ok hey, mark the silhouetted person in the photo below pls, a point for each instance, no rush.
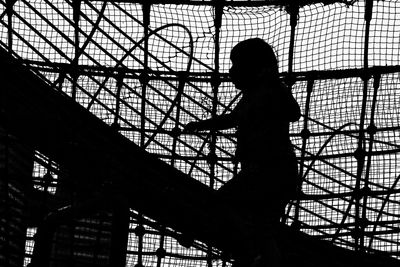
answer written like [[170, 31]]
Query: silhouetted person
[[268, 177]]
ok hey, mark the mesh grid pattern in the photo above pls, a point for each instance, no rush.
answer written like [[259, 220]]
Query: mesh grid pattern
[[330, 37], [152, 245], [267, 22], [140, 85]]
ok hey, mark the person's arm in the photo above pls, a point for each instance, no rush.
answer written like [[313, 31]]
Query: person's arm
[[220, 122]]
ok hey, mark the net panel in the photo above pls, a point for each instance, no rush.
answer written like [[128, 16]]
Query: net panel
[[150, 73], [330, 37]]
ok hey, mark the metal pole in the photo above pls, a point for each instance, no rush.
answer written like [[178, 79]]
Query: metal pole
[[215, 82], [10, 11], [140, 232], [371, 130], [76, 4], [305, 135], [294, 13], [120, 227], [360, 151], [176, 130], [120, 81], [144, 78]]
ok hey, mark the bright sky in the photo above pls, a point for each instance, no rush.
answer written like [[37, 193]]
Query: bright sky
[[329, 37]]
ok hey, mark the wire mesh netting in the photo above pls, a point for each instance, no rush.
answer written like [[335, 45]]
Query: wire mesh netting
[[148, 69]]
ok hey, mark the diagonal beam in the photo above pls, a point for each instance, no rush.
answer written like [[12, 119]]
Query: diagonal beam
[[86, 147]]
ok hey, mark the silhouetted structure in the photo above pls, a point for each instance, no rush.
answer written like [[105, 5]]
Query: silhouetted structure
[[269, 175], [94, 170]]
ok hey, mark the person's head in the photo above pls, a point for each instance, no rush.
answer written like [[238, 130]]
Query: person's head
[[253, 63]]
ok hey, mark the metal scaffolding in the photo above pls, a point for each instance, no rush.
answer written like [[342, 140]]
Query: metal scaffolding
[[146, 68]]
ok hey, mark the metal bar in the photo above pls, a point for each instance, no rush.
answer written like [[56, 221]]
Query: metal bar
[[305, 134], [120, 81], [9, 12], [144, 78], [360, 152], [140, 231], [294, 13], [81, 49], [76, 6], [154, 32], [32, 28], [293, 9], [235, 3], [206, 76], [215, 82], [176, 130], [371, 131], [382, 208], [120, 226], [145, 73]]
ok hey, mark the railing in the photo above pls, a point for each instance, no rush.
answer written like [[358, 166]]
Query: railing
[[148, 69]]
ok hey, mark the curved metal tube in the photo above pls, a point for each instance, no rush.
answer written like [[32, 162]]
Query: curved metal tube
[[336, 131], [154, 32], [381, 211], [90, 36]]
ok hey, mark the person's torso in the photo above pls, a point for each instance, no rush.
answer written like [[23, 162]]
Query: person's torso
[[263, 132]]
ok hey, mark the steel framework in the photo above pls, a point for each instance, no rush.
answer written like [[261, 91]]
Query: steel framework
[[147, 68]]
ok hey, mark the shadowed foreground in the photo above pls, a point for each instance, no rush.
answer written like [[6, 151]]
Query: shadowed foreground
[[122, 176]]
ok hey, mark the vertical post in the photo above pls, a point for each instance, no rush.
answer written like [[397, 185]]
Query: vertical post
[[76, 5], [140, 232], [161, 253], [120, 81], [293, 10], [360, 153], [119, 238], [215, 82], [305, 134], [294, 13], [371, 130], [176, 131], [9, 7], [144, 77]]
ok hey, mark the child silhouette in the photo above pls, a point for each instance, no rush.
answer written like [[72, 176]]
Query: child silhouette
[[268, 176]]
